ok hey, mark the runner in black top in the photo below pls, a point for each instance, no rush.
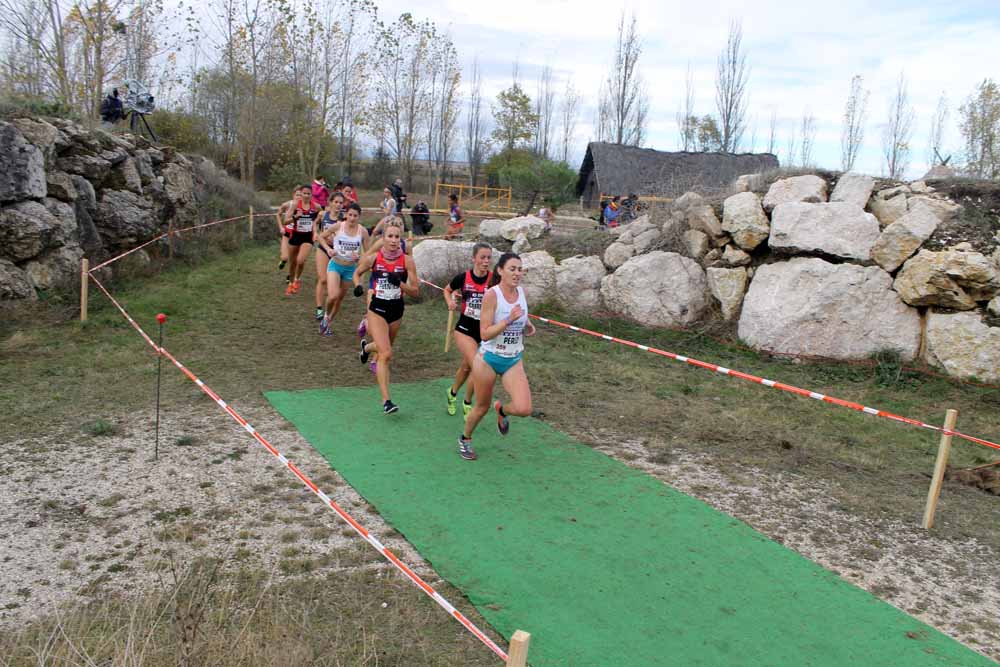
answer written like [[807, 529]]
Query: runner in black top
[[465, 294]]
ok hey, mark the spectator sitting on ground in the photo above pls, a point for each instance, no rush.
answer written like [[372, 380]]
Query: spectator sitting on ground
[[611, 212]]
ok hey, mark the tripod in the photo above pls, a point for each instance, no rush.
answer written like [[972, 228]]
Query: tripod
[[134, 119]]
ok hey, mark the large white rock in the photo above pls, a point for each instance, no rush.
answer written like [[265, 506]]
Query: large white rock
[[841, 311], [539, 278], [22, 166], [733, 256], [838, 229], [657, 289], [853, 188], [696, 242], [744, 219], [963, 345], [491, 230], [810, 189], [904, 237], [646, 240], [945, 209], [439, 261], [889, 205], [57, 268], [993, 307], [728, 287], [521, 244], [617, 254], [689, 199], [528, 225], [703, 219], [578, 282], [950, 278]]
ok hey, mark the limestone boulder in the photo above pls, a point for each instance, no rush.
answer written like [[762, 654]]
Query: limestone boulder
[[963, 345], [733, 256], [491, 229], [521, 244], [748, 183], [657, 289], [646, 240], [904, 237], [47, 138], [811, 189], [66, 229], [888, 206], [993, 307], [144, 163], [22, 166], [125, 219], [950, 278], [711, 257], [635, 229], [840, 311], [86, 195], [837, 229], [178, 184], [439, 261], [14, 283], [27, 228], [617, 254], [539, 277], [703, 219], [744, 219], [578, 283], [945, 209], [57, 268], [689, 200], [91, 167], [59, 185], [696, 242], [853, 188], [728, 286], [528, 225]]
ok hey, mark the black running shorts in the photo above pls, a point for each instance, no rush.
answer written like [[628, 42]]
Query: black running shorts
[[301, 238], [470, 327], [390, 311]]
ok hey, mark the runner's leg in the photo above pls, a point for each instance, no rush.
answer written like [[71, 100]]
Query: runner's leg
[[483, 378], [515, 381]]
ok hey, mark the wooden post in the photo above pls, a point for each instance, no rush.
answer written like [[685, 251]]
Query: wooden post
[[84, 284], [250, 222], [517, 655], [437, 187], [447, 331], [951, 416]]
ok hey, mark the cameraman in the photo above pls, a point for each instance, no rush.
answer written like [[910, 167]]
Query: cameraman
[[421, 218], [112, 109]]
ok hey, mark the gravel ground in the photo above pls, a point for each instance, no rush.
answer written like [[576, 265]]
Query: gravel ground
[[85, 514]]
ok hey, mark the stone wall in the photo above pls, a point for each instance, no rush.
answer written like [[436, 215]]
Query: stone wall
[[67, 193]]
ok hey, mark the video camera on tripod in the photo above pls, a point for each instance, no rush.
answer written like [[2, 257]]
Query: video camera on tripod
[[138, 102]]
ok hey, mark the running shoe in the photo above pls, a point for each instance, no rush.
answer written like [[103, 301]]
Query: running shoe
[[466, 409], [296, 286], [289, 290], [389, 407], [451, 400], [363, 328], [503, 424], [373, 367], [465, 449], [288, 278], [282, 263], [319, 314], [324, 326], [364, 353]]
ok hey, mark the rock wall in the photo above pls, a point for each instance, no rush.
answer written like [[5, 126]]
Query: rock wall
[[67, 193]]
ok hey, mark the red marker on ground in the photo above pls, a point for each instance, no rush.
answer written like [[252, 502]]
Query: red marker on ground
[[161, 318]]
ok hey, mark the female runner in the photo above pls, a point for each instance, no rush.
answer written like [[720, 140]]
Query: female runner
[[395, 274], [284, 218], [331, 216], [343, 244], [304, 216], [503, 325], [465, 292]]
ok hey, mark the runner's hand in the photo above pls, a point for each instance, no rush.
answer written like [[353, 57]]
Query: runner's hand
[[515, 314], [393, 279], [358, 290]]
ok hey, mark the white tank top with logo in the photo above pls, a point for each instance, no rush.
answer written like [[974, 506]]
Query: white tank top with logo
[[346, 249], [509, 342]]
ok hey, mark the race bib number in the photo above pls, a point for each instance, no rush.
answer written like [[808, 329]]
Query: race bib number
[[509, 343], [304, 225], [474, 306], [386, 290]]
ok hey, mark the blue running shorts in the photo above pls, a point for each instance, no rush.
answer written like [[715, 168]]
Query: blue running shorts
[[500, 365], [346, 271]]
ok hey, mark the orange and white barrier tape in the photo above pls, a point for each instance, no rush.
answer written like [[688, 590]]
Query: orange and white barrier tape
[[762, 381], [408, 572]]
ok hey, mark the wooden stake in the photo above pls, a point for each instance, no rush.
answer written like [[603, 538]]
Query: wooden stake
[[447, 332], [250, 222], [84, 284], [951, 416], [517, 655]]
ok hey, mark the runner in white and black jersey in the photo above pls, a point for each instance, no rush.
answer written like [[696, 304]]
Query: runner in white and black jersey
[[342, 246], [503, 325], [465, 294], [333, 214]]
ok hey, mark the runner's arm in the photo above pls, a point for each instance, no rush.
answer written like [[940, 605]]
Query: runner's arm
[[412, 285], [487, 331]]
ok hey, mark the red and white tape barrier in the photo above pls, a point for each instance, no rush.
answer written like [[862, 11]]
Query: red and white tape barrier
[[762, 381], [358, 528]]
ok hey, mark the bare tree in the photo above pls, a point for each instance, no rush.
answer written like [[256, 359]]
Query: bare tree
[[753, 136], [687, 122], [897, 131], [37, 62], [476, 133], [443, 115], [545, 102], [980, 126], [624, 103], [569, 110], [852, 133], [731, 77], [790, 149], [935, 143], [808, 134], [772, 136]]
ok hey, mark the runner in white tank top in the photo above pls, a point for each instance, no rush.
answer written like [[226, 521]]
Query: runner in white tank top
[[344, 243], [503, 325]]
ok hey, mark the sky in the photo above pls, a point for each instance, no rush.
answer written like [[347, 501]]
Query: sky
[[802, 56]]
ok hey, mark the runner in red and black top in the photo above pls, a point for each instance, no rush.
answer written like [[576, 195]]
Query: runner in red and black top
[[304, 215], [394, 275], [465, 294], [284, 217]]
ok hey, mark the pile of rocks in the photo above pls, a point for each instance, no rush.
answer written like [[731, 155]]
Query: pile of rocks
[[67, 192]]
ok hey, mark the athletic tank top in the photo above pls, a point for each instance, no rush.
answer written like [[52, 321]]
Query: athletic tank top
[[347, 248], [510, 341], [381, 270], [304, 223], [327, 221], [472, 295]]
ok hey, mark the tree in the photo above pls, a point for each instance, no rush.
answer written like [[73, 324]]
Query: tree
[[772, 135], [545, 110], [808, 133], [852, 133], [979, 124], [935, 143], [516, 123], [444, 107], [898, 131], [709, 138], [687, 122], [537, 177], [568, 113], [731, 77], [624, 102], [476, 142]]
